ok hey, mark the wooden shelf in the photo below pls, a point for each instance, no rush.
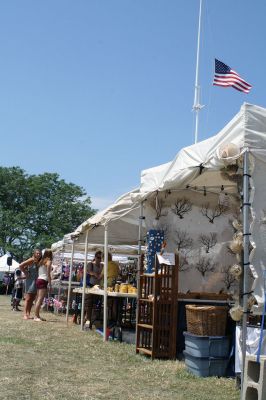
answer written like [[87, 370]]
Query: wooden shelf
[[147, 300], [146, 326], [145, 351], [157, 317]]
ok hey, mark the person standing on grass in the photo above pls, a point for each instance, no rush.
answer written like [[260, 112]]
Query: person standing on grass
[[30, 269], [43, 280], [94, 270], [112, 271], [17, 293]]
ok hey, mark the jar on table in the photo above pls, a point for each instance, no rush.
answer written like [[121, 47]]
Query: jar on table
[[124, 288]]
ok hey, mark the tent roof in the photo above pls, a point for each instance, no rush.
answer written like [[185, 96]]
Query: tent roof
[[65, 245], [246, 130], [198, 165], [122, 219]]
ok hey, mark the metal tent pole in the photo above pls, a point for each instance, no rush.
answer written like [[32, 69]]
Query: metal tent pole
[[60, 279], [84, 280], [70, 281], [105, 282], [141, 218], [245, 211]]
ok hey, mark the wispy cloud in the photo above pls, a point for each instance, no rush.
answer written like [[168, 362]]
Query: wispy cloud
[[100, 203]]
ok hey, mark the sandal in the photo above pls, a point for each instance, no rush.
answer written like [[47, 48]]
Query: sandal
[[36, 319]]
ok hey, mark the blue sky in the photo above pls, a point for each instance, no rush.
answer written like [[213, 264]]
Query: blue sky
[[98, 90]]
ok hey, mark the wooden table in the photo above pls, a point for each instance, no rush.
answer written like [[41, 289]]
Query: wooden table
[[116, 328], [100, 292]]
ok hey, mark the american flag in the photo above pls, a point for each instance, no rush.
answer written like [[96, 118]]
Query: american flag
[[225, 76]]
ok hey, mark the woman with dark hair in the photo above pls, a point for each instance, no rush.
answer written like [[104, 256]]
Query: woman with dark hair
[[30, 269], [94, 270], [43, 280]]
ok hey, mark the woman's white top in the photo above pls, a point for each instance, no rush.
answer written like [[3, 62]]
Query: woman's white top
[[43, 273]]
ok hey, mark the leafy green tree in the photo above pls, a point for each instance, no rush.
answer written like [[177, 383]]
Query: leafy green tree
[[37, 210]]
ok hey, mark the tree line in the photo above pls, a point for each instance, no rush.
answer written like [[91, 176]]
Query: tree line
[[38, 210]]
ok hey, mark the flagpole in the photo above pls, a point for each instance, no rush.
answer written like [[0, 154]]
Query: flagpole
[[197, 106]]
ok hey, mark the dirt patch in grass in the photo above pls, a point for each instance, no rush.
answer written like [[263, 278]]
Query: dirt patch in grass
[[49, 360]]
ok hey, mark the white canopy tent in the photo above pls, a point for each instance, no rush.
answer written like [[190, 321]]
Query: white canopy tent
[[195, 172], [6, 268], [199, 166], [124, 232], [195, 169]]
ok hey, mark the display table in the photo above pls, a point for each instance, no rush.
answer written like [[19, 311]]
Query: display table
[[59, 283], [207, 302], [100, 292], [124, 308], [58, 292]]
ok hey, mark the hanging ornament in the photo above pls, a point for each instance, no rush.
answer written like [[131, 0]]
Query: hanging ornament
[[223, 199]]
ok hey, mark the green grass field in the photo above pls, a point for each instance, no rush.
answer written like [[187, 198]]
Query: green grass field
[[48, 360]]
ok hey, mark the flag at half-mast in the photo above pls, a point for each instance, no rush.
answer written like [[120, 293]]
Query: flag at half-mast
[[225, 76]]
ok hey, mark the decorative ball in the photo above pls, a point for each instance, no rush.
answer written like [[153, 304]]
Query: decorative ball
[[236, 271], [229, 150], [237, 225], [236, 313]]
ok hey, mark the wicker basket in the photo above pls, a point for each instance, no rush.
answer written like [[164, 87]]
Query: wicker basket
[[206, 320]]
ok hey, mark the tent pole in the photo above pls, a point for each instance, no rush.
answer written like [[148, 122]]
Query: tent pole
[[141, 218], [70, 281], [84, 281], [245, 211], [60, 280], [105, 282]]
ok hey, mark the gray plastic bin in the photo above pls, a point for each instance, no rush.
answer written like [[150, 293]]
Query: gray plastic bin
[[207, 346], [206, 366]]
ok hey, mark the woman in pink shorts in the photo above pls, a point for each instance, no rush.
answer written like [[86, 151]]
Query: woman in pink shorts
[[43, 280]]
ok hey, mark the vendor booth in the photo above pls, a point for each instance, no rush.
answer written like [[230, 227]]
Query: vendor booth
[[207, 207], [125, 256], [209, 201]]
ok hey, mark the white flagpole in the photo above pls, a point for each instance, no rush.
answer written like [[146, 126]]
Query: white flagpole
[[197, 106]]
